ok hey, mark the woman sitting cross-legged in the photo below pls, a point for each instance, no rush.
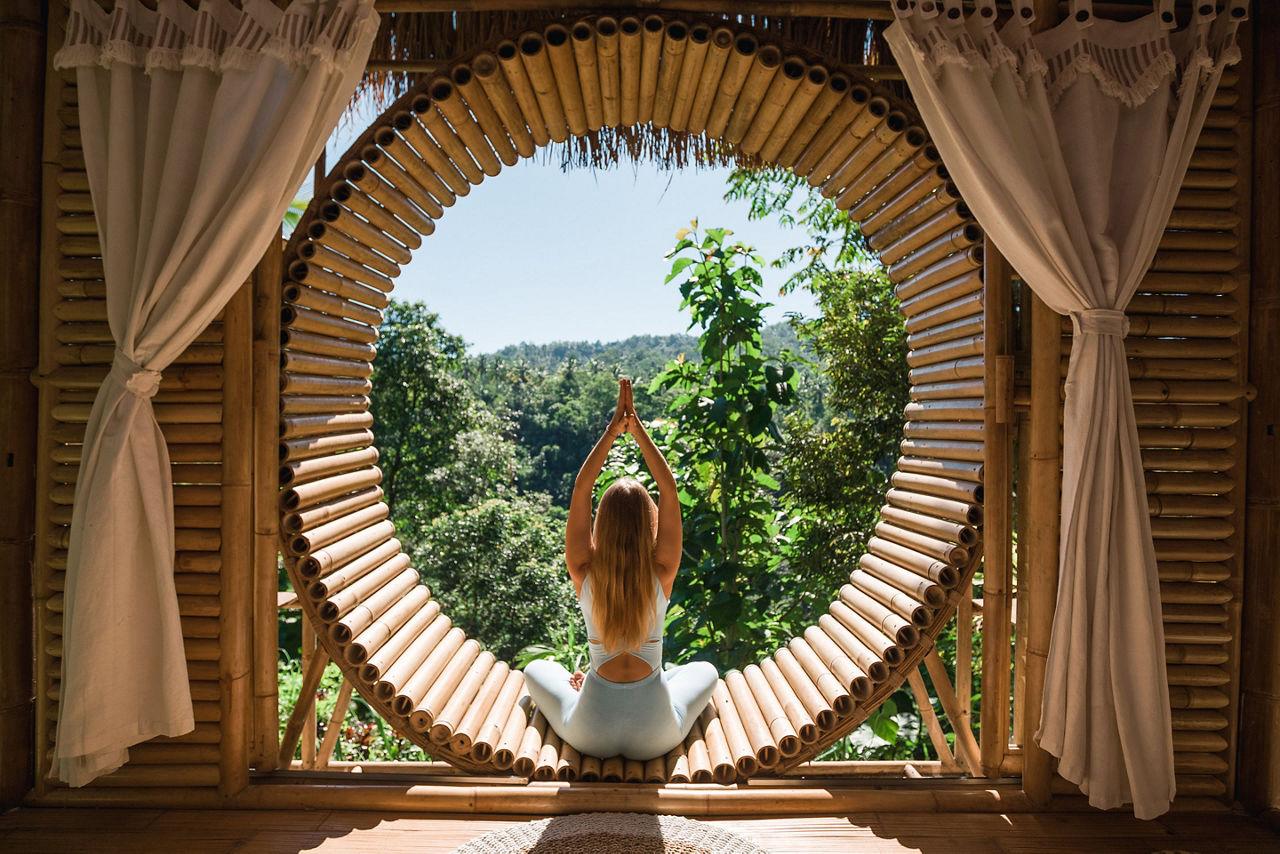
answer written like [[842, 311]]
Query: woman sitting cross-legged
[[623, 568]]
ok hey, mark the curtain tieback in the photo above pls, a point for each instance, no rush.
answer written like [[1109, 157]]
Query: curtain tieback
[[137, 379], [1100, 321]]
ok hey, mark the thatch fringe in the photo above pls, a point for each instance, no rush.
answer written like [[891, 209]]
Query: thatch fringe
[[444, 38]]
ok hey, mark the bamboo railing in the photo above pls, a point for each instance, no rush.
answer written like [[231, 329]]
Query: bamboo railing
[[846, 137]]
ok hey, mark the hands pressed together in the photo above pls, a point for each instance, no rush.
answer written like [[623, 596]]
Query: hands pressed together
[[624, 419]]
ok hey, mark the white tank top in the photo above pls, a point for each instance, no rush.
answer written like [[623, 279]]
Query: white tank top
[[650, 651]]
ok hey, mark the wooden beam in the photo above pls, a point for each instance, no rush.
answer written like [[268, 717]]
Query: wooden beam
[[1258, 777], [22, 67], [429, 66], [879, 11]]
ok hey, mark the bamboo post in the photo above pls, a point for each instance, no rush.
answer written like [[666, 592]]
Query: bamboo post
[[235, 614], [1040, 575], [997, 512], [22, 66], [1041, 508]]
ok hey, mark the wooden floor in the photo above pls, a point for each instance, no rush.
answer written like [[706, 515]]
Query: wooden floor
[[70, 831]]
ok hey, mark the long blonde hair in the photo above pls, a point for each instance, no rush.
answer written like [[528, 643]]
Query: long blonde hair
[[622, 571]]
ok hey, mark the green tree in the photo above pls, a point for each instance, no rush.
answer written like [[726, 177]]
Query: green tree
[[440, 448], [497, 569], [719, 435]]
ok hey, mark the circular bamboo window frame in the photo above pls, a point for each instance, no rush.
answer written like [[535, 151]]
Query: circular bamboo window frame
[[854, 142]]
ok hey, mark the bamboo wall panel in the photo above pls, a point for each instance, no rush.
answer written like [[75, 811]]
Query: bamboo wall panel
[[857, 144], [76, 353]]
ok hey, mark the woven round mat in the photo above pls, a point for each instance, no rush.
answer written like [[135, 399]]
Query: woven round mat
[[611, 833]]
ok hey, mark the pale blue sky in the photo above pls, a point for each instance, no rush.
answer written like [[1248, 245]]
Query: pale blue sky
[[535, 254]]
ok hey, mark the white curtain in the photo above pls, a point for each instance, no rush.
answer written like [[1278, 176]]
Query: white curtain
[[198, 127], [1069, 145]]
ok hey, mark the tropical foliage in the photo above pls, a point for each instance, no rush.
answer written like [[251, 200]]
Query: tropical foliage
[[782, 438]]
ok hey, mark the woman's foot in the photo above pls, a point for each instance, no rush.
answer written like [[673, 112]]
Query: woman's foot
[[576, 680]]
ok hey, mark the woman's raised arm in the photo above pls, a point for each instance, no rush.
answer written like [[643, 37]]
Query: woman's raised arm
[[667, 551], [577, 536]]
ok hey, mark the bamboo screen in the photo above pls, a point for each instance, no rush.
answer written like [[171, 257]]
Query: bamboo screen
[[443, 690]]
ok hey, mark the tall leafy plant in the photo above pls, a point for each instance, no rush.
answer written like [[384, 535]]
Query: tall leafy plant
[[719, 435]]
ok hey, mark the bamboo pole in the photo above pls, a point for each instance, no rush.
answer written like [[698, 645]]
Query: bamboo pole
[[462, 736], [650, 57], [304, 711], [537, 68], [713, 66], [486, 114], [1041, 573], [235, 625], [440, 160], [695, 56], [393, 186], [338, 217], [565, 71], [397, 675], [485, 90], [607, 60], [816, 80], [932, 725], [737, 67], [629, 70], [507, 85], [23, 353], [966, 745], [589, 73], [763, 70], [334, 726], [675, 41]]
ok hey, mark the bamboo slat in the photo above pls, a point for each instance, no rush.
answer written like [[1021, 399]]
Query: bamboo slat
[[764, 68], [521, 87], [650, 57], [454, 643], [607, 60], [399, 192], [629, 50], [438, 635], [589, 74], [477, 712], [467, 160], [384, 628], [691, 72], [505, 102], [486, 114], [736, 69], [565, 71], [442, 161], [675, 42], [813, 699], [712, 70], [488, 734]]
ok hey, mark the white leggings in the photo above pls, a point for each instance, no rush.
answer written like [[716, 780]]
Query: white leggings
[[639, 720]]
